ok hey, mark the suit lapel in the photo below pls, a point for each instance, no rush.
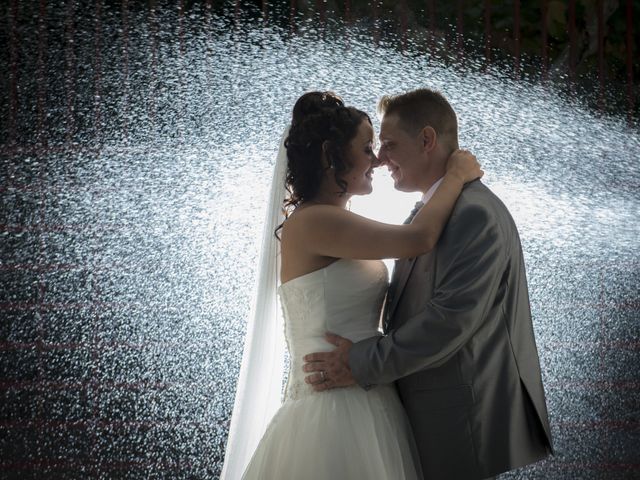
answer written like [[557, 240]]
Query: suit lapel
[[400, 281]]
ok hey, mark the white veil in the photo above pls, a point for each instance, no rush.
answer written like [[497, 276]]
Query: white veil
[[258, 394]]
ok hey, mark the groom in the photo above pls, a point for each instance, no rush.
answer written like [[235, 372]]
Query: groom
[[458, 338]]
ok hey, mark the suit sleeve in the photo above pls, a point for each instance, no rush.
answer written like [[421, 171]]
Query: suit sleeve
[[471, 263]]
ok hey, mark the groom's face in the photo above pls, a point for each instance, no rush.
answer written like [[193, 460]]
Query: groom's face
[[402, 153]]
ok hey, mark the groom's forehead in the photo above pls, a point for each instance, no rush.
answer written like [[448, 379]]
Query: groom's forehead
[[386, 132], [384, 135], [388, 123], [384, 128]]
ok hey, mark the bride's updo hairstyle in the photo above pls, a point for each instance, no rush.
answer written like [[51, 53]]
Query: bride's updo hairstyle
[[321, 123]]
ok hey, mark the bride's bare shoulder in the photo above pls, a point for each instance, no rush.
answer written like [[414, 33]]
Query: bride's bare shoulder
[[313, 213]]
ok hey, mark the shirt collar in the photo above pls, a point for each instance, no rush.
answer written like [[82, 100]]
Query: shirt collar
[[429, 193]]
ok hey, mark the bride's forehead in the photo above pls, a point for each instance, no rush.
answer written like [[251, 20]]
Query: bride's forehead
[[365, 129]]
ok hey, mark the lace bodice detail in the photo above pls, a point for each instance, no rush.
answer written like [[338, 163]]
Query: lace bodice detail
[[344, 298]]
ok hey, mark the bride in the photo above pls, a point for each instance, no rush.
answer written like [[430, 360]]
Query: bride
[[332, 279]]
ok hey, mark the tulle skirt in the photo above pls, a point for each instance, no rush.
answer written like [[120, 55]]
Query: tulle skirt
[[346, 433]]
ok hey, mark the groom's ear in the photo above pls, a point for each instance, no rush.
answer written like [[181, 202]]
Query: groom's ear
[[429, 138]]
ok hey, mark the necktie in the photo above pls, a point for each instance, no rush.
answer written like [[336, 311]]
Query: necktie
[[415, 210]]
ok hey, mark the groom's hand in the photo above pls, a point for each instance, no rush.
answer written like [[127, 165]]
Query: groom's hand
[[331, 368]]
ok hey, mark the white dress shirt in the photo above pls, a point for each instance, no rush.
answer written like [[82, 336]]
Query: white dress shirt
[[429, 193]]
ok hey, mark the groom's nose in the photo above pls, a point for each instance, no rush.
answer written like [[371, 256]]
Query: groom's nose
[[382, 157]]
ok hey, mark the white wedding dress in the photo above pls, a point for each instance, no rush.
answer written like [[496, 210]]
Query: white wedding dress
[[346, 433]]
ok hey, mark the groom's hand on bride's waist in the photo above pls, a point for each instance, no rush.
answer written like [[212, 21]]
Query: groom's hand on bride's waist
[[330, 369]]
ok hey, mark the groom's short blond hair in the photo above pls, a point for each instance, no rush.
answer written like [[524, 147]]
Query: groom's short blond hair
[[420, 108]]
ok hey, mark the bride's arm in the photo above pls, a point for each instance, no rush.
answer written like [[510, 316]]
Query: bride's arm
[[334, 232]]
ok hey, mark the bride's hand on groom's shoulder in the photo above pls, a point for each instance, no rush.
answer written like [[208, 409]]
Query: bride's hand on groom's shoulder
[[464, 165], [330, 369]]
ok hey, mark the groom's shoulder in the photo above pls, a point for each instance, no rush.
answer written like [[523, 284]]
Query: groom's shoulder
[[477, 193], [477, 197], [476, 189]]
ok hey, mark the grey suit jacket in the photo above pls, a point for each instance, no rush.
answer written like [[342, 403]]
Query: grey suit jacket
[[459, 343]]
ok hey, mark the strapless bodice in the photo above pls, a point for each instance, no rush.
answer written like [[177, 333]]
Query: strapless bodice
[[344, 298]]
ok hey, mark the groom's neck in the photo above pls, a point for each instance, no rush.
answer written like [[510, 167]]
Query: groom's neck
[[428, 186], [435, 173]]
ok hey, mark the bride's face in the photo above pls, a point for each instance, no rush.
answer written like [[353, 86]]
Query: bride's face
[[362, 159]]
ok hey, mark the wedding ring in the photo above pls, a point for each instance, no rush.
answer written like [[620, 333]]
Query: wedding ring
[[322, 376]]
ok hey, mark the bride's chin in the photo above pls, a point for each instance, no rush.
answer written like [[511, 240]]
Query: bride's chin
[[363, 188], [363, 191]]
